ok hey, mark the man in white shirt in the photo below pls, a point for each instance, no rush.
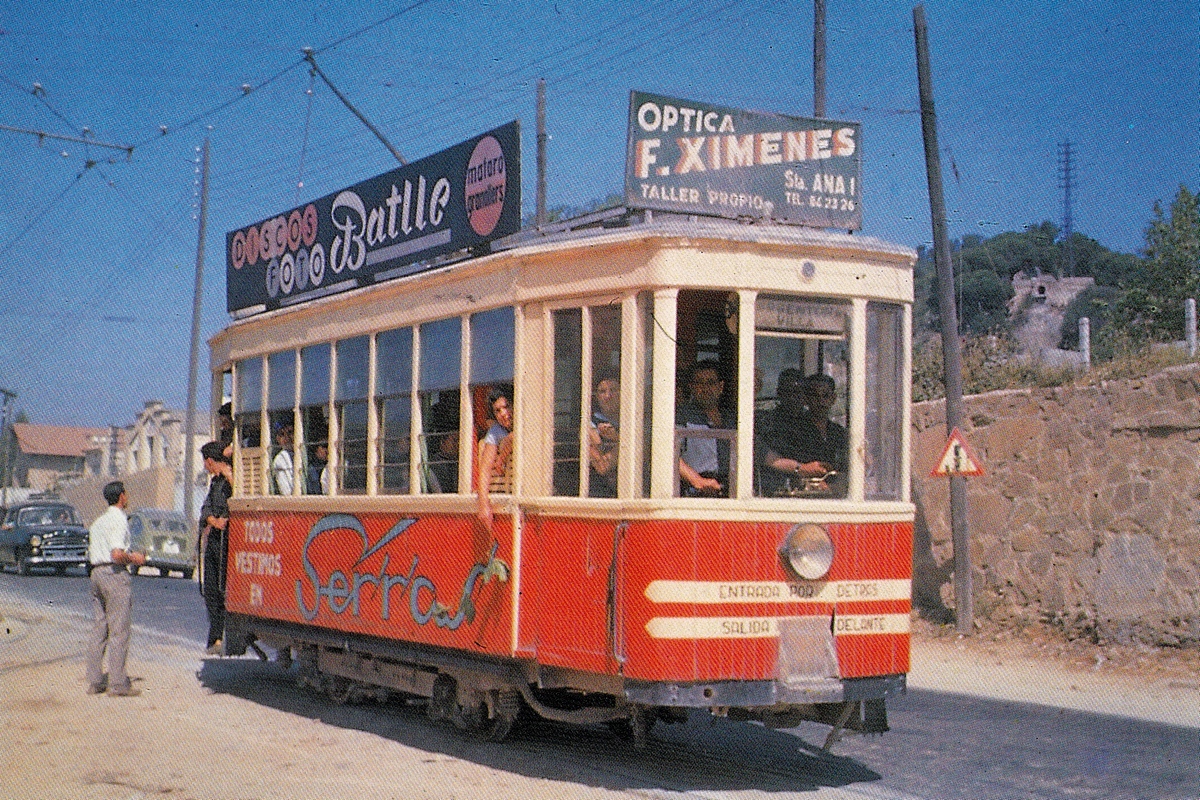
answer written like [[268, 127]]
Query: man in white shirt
[[281, 465], [112, 596]]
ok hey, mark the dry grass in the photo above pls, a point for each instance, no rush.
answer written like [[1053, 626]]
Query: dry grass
[[993, 362]]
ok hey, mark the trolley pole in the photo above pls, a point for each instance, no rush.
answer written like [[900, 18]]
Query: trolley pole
[[540, 219], [819, 59], [951, 347], [189, 421]]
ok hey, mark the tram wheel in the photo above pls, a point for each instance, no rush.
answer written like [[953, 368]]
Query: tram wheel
[[340, 690], [636, 728], [507, 709]]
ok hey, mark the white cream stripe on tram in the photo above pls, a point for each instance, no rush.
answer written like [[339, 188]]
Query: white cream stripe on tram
[[768, 627], [724, 592], [745, 592]]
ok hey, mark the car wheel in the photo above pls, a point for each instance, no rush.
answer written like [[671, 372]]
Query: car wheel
[[22, 566], [134, 569], [187, 574]]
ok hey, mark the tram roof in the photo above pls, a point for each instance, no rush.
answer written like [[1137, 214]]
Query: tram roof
[[617, 224]]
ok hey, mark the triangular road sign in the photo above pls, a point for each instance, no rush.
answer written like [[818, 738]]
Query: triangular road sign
[[958, 459]]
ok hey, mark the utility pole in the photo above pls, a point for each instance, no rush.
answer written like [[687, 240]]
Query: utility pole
[[1065, 179], [819, 59], [951, 347], [189, 419], [6, 439], [540, 220]]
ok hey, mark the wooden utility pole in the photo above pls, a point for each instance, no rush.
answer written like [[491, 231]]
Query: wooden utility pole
[[819, 59], [189, 419], [951, 346], [540, 219]]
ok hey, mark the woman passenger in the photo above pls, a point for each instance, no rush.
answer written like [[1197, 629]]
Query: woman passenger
[[495, 452], [603, 434]]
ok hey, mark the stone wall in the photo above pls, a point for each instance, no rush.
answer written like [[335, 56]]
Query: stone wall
[[1088, 516]]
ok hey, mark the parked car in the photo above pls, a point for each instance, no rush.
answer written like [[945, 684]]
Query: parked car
[[42, 533], [166, 539]]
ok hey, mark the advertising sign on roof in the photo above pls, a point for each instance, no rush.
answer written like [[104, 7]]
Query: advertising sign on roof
[[696, 158], [383, 228]]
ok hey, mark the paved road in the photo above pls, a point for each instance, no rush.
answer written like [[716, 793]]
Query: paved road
[[942, 745]]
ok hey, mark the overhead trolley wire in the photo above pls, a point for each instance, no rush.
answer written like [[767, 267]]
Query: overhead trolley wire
[[167, 130], [42, 214]]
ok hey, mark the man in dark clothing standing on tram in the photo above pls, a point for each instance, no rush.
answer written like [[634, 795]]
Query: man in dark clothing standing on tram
[[214, 549]]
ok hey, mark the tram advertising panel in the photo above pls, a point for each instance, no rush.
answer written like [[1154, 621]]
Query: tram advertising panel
[[697, 158], [386, 227]]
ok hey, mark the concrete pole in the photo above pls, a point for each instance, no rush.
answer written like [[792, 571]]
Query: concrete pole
[[951, 347], [189, 419], [819, 59], [1189, 325], [1085, 341]]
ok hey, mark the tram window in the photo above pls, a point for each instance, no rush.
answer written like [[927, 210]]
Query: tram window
[[281, 403], [568, 400], [604, 426], [493, 341], [249, 401], [800, 421], [393, 378], [885, 401], [706, 420], [350, 405], [438, 394], [314, 415]]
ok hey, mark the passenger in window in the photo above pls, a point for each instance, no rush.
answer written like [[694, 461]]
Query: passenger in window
[[805, 450], [495, 454], [317, 477], [225, 429], [704, 462], [281, 465], [603, 435], [443, 440]]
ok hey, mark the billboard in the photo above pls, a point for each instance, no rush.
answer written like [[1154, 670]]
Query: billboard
[[697, 158], [382, 228]]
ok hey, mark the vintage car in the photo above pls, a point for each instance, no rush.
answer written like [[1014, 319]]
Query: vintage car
[[42, 533], [165, 538]]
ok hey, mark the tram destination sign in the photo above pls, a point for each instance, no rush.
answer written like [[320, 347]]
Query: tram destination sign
[[697, 158], [382, 228]]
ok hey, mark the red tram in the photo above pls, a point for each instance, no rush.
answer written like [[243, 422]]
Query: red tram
[[604, 586]]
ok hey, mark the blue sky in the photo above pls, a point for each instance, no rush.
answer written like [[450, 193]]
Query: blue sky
[[97, 263]]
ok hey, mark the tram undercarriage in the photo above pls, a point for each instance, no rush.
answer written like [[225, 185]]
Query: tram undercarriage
[[486, 696]]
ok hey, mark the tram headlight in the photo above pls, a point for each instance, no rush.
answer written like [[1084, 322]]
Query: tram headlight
[[807, 551]]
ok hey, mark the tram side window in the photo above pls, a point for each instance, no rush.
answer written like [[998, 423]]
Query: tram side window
[[438, 394], [706, 382], [281, 403], [314, 416], [493, 341], [393, 377], [801, 414], [248, 421], [604, 425], [568, 399], [885, 401], [350, 405]]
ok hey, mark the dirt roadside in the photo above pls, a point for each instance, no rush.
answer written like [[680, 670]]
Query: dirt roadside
[[196, 732]]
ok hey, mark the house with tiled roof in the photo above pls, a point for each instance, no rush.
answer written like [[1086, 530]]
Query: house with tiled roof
[[43, 455]]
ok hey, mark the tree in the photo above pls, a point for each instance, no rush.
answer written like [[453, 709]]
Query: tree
[[1151, 307]]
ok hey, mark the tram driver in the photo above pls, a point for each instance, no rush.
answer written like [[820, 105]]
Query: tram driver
[[803, 446], [704, 462]]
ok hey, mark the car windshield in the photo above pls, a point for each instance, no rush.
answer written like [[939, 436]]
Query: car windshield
[[48, 515]]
